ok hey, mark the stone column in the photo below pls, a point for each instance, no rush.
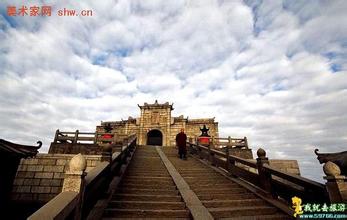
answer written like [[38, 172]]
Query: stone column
[[107, 153], [74, 180], [264, 177], [336, 184]]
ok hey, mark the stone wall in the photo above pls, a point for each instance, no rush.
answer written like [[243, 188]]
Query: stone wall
[[158, 116], [287, 166], [155, 117], [71, 148], [193, 127], [41, 178], [175, 129]]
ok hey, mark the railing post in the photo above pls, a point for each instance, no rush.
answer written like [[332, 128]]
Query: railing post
[[228, 162], [74, 181], [76, 137], [106, 154], [56, 136], [336, 184], [191, 148], [246, 142], [96, 137], [211, 156], [229, 141], [264, 177], [125, 143], [201, 156], [212, 142]]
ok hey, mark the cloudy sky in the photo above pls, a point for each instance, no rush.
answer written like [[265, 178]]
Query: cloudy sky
[[274, 71]]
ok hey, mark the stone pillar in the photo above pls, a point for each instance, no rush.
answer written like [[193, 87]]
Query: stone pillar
[[264, 177], [246, 142], [227, 154], [76, 137], [211, 156], [106, 153], [336, 184], [56, 136], [74, 180]]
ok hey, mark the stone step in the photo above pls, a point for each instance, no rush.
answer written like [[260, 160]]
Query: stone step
[[127, 190], [145, 197], [146, 205], [201, 182], [148, 174], [146, 213], [233, 203], [151, 168], [228, 196], [122, 218], [242, 211], [278, 216], [153, 186], [201, 175], [217, 185], [132, 177], [147, 182], [150, 171], [219, 191]]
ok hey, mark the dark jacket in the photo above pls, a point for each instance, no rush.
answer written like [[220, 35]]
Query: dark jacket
[[181, 139]]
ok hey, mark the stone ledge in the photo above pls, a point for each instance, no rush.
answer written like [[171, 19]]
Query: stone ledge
[[45, 170]]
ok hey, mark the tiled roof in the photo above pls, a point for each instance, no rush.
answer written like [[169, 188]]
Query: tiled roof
[[18, 149]]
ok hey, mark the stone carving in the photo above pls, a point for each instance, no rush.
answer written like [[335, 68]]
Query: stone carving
[[78, 163], [340, 159], [261, 153], [331, 169], [155, 118]]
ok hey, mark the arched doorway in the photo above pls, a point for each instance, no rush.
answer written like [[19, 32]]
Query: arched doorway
[[154, 137]]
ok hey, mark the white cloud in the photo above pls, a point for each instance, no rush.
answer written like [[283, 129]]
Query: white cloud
[[272, 71]]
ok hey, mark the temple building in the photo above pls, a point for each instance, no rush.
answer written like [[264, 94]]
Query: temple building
[[156, 125]]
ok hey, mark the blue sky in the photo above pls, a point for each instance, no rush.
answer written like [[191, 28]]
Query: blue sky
[[274, 71]]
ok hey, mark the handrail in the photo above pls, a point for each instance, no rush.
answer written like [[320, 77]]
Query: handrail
[[95, 172], [229, 141], [85, 136], [299, 180], [263, 178], [77, 205], [60, 207], [101, 176]]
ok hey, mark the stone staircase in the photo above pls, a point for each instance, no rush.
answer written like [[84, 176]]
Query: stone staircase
[[146, 191], [223, 198]]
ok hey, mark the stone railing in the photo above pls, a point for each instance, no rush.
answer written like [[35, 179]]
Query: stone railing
[[74, 137], [80, 191], [269, 180], [336, 182], [226, 142]]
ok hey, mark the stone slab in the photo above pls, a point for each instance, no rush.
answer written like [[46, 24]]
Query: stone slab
[[197, 209]]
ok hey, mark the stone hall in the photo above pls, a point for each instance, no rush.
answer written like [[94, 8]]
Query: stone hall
[[157, 126]]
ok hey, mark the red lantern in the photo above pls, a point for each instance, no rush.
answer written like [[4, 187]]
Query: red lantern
[[204, 140], [107, 136]]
